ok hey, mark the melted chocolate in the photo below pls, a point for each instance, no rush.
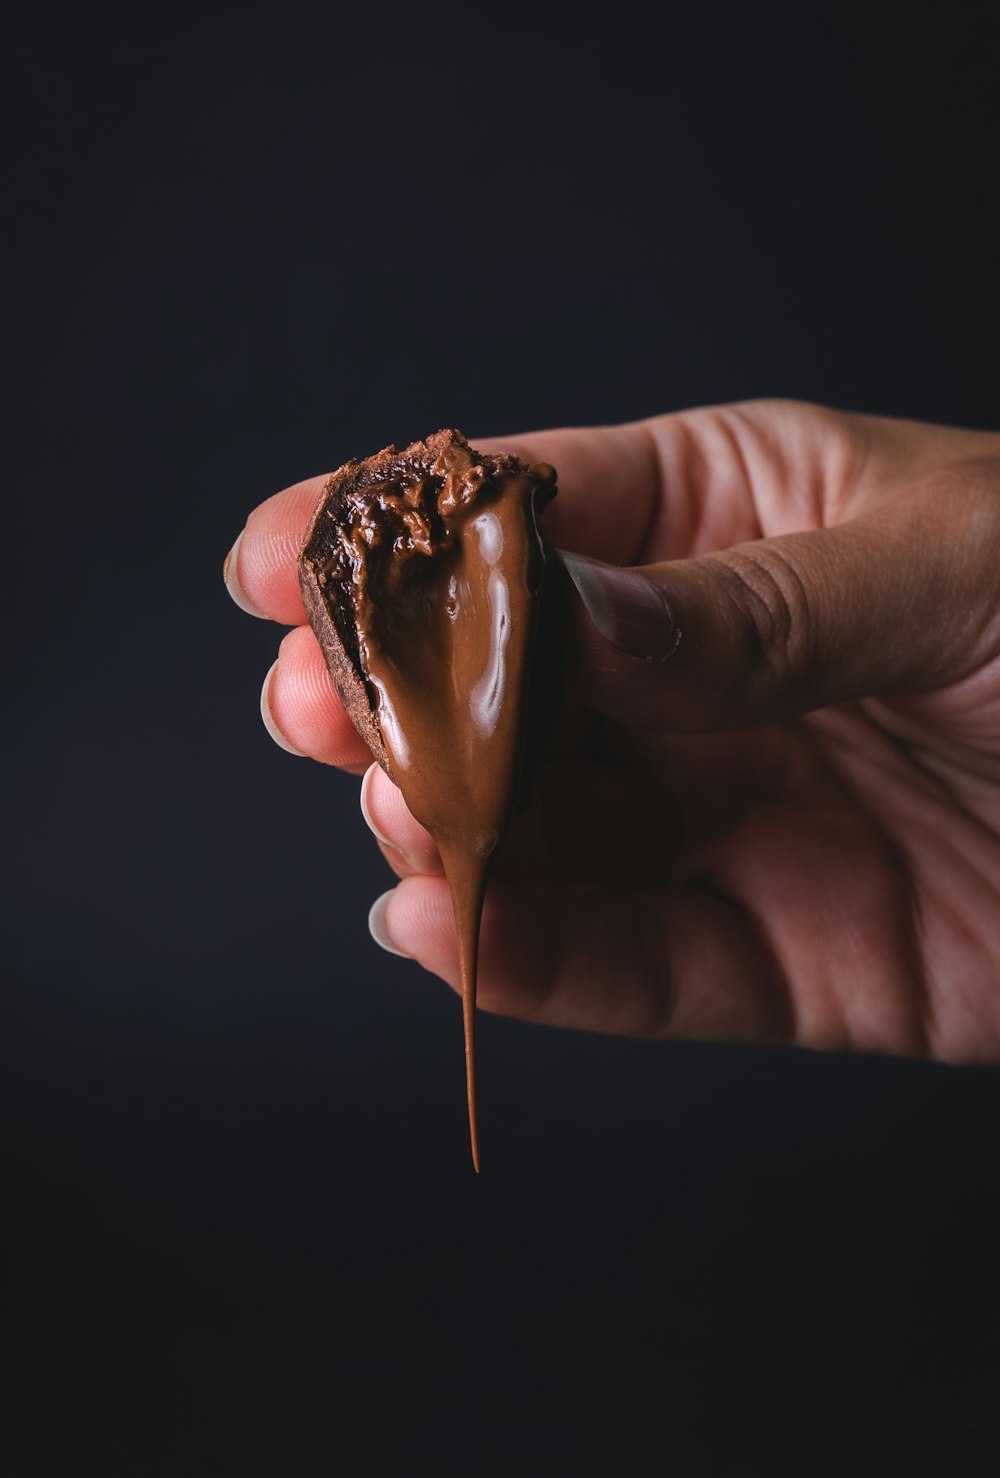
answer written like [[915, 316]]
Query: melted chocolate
[[423, 569]]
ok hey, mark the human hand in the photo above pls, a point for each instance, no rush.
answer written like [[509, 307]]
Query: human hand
[[783, 821]]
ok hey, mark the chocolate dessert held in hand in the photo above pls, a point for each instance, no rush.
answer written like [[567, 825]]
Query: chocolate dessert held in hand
[[422, 574]]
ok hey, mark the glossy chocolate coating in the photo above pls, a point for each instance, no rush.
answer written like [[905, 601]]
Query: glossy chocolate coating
[[422, 574]]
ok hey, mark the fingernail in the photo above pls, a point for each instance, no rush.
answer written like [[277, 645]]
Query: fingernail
[[268, 716], [378, 928], [231, 575], [366, 781], [629, 610]]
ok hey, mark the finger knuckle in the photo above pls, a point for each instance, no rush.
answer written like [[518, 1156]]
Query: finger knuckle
[[771, 602]]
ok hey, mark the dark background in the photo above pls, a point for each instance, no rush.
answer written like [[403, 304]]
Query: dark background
[[243, 246]]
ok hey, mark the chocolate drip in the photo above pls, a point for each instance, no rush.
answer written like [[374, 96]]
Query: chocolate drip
[[430, 576]]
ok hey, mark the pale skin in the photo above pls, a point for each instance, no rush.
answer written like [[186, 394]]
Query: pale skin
[[776, 815]]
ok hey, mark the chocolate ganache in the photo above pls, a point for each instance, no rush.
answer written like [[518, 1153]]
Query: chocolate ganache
[[422, 574]]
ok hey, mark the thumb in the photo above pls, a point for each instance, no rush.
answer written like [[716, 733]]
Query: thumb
[[766, 630]]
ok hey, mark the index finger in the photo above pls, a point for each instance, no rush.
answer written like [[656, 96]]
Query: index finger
[[608, 487], [261, 566]]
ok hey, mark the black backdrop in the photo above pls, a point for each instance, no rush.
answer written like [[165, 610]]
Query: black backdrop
[[247, 244]]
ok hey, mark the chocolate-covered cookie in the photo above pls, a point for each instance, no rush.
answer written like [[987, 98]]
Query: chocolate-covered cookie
[[423, 574]]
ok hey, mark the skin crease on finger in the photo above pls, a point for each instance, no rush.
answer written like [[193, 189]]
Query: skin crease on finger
[[779, 837]]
